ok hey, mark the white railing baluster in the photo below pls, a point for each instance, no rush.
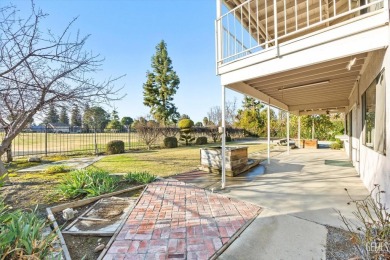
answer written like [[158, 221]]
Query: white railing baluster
[[249, 26], [266, 24], [285, 17], [276, 26], [231, 45], [242, 32], [307, 13], [296, 15], [235, 33], [227, 35], [257, 21]]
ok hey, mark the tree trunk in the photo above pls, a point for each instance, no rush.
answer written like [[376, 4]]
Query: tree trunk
[[9, 157], [3, 171]]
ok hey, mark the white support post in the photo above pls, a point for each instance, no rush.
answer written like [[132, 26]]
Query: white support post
[[223, 150], [288, 132], [299, 131], [268, 134]]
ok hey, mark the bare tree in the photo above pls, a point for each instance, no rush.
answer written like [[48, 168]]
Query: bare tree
[[215, 113], [39, 69], [148, 131]]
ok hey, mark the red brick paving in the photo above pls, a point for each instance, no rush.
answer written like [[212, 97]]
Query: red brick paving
[[175, 220]]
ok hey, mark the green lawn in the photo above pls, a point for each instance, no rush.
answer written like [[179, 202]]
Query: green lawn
[[163, 162]]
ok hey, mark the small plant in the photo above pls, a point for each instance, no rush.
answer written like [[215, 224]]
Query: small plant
[[201, 140], [87, 182], [115, 147], [373, 225], [337, 145], [139, 177], [170, 142], [57, 169], [21, 235], [3, 179]]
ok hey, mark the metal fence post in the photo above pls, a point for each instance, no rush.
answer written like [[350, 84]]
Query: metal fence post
[[96, 147], [45, 139], [128, 130]]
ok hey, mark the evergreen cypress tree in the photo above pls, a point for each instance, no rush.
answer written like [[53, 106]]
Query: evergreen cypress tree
[[52, 115], [64, 118], [75, 118], [162, 83]]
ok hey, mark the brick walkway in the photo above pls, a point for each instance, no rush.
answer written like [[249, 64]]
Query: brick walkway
[[175, 220]]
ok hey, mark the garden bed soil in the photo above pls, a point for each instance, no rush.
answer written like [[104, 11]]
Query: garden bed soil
[[82, 247]]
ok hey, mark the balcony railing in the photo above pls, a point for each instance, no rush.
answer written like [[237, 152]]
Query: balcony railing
[[250, 26]]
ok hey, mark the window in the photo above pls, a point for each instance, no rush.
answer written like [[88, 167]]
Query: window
[[374, 115]]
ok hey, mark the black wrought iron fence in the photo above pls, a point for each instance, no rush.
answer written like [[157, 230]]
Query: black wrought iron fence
[[59, 139], [45, 140]]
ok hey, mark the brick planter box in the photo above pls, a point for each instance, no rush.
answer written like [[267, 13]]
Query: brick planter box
[[236, 160], [311, 144]]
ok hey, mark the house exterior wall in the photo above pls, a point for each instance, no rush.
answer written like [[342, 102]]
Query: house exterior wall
[[373, 167]]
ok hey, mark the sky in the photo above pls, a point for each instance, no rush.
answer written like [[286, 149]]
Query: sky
[[125, 33]]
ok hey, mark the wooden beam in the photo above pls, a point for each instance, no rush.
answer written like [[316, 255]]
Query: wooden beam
[[90, 200], [324, 105], [249, 91]]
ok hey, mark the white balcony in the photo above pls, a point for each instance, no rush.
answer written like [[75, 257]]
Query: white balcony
[[246, 33]]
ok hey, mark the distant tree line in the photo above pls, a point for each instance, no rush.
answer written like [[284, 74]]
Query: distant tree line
[[90, 119]]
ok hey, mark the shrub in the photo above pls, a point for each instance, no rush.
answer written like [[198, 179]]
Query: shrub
[[213, 133], [56, 169], [201, 140], [340, 142], [185, 123], [21, 235], [228, 138], [88, 183], [185, 126], [335, 146], [373, 223], [139, 177], [170, 142], [115, 147]]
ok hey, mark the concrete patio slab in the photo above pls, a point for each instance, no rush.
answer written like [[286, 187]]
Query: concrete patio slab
[[275, 236], [74, 163], [175, 220], [302, 184]]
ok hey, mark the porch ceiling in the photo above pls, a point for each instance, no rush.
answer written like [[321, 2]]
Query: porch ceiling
[[325, 86]]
